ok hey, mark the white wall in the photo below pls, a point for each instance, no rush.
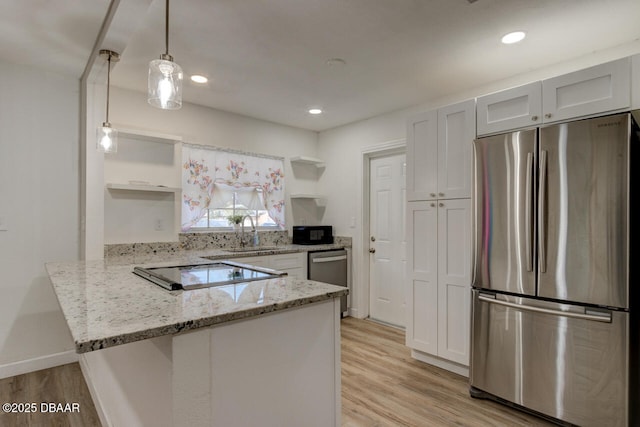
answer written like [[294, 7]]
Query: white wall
[[207, 126], [342, 148], [39, 122]]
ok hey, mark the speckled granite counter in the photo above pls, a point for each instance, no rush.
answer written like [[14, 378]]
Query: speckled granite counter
[[105, 304], [159, 253]]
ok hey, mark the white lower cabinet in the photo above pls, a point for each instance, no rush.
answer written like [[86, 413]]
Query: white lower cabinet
[[422, 276], [439, 278], [294, 264], [259, 261]]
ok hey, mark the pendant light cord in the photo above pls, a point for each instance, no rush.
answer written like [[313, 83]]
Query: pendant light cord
[[108, 83], [166, 26]]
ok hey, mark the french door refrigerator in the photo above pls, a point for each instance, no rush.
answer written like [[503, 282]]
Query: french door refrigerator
[[554, 299]]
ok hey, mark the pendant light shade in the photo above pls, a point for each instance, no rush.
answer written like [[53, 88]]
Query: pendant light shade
[[165, 77], [106, 136], [165, 84]]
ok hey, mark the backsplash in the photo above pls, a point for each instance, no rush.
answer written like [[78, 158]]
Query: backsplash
[[203, 241], [200, 241]]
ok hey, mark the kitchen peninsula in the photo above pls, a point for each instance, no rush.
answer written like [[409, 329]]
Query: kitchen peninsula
[[265, 352]]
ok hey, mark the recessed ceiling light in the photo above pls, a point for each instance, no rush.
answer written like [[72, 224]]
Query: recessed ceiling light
[[336, 62], [513, 37], [199, 79], [315, 111]]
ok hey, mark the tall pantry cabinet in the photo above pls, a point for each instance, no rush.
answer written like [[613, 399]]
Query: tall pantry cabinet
[[439, 168]]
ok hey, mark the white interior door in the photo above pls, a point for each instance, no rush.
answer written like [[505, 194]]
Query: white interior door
[[387, 239]]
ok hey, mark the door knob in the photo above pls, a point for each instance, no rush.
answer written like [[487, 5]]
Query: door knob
[[372, 250]]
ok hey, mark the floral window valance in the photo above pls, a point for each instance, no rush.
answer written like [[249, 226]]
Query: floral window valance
[[206, 170]]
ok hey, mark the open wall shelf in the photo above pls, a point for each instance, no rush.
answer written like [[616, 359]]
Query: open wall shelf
[[138, 187], [307, 196], [307, 161]]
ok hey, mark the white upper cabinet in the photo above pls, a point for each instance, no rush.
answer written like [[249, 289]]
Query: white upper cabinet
[[605, 87], [635, 82], [594, 90], [514, 108], [456, 131], [439, 150], [422, 156]]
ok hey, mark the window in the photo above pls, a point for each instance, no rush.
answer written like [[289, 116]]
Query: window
[[223, 217], [218, 184], [219, 218]]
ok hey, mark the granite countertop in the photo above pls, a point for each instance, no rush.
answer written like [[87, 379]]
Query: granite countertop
[[147, 256], [105, 304]]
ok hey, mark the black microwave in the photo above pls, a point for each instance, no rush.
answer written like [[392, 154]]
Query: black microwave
[[312, 235]]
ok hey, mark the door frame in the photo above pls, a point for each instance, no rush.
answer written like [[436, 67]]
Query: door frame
[[396, 146]]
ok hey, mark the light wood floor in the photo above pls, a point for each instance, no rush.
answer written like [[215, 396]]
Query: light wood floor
[[381, 386], [63, 384]]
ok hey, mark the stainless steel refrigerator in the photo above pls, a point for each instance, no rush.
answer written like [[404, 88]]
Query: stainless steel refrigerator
[[554, 303]]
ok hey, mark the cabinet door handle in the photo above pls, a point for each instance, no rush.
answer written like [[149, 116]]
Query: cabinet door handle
[[441, 194], [331, 258], [547, 116], [534, 118], [432, 194], [372, 250], [441, 205]]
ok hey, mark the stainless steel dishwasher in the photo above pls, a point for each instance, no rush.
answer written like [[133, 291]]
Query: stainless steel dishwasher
[[330, 266]]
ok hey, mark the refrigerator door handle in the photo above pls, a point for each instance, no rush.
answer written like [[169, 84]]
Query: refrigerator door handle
[[529, 213], [600, 317], [542, 208]]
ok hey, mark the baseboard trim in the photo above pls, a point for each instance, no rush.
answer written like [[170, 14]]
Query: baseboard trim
[[440, 363], [37, 364]]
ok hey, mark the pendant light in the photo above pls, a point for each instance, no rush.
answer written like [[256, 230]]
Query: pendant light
[[107, 137], [165, 77]]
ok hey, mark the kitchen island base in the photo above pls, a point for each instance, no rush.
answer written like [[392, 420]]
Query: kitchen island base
[[277, 369]]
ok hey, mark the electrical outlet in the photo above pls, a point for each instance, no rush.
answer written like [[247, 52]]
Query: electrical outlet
[[159, 225]]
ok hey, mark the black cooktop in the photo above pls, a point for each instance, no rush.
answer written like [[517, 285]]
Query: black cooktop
[[197, 276]]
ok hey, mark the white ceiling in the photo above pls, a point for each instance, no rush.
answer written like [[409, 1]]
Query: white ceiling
[[268, 58]]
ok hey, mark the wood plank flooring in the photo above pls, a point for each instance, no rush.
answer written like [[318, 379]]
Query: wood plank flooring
[[62, 384], [382, 386]]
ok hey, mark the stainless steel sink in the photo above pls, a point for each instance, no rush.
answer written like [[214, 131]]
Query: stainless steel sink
[[252, 249]]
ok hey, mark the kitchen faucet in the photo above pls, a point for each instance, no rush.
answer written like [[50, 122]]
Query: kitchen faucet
[[253, 230]]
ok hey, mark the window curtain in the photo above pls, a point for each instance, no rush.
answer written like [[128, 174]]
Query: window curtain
[[208, 170]]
